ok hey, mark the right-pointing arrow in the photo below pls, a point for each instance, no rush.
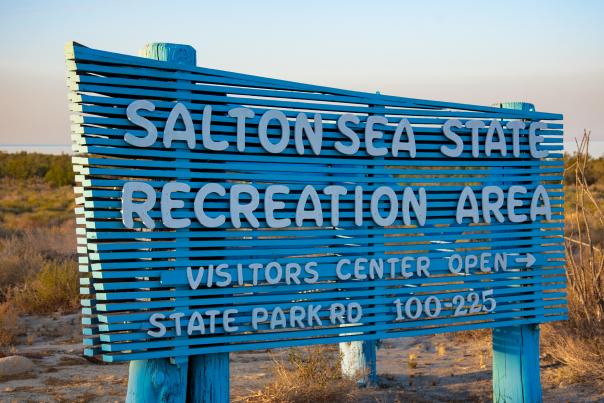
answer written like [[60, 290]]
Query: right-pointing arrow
[[529, 260]]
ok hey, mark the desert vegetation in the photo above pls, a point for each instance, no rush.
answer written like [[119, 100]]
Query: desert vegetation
[[575, 348], [306, 374], [38, 275], [578, 343], [53, 169], [38, 271]]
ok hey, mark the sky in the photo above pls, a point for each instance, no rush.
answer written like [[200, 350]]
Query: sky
[[550, 53]]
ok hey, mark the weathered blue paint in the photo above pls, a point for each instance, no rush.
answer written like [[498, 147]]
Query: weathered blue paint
[[157, 381], [170, 52], [516, 372], [359, 358], [145, 376], [132, 273], [208, 375], [209, 378], [516, 369], [359, 361], [124, 64]]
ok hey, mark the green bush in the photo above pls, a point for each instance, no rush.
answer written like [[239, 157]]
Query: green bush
[[60, 172], [593, 173], [54, 169]]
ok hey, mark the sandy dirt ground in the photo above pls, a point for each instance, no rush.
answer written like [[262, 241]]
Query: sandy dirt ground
[[436, 368]]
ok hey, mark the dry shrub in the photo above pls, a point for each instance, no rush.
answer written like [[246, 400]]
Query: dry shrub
[[18, 260], [24, 253], [585, 259], [310, 374], [38, 272], [9, 328], [38, 275], [475, 336], [579, 342], [54, 288], [581, 354], [55, 242]]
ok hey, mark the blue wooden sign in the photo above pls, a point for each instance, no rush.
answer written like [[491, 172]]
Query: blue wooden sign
[[221, 212]]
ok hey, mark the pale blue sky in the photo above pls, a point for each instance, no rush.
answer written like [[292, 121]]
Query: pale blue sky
[[550, 53]]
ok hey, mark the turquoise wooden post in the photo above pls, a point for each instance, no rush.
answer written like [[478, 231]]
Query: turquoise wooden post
[[516, 372], [104, 164], [157, 380], [209, 378], [359, 358], [203, 378]]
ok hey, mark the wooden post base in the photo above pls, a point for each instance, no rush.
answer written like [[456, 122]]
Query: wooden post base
[[516, 372], [157, 380], [516, 364], [359, 361], [209, 378]]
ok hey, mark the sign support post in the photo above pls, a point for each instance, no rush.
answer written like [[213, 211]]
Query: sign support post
[[156, 380], [359, 358], [359, 361], [516, 364], [195, 249], [165, 380], [209, 378], [516, 371]]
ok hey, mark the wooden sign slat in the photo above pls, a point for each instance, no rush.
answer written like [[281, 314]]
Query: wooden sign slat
[[132, 273]]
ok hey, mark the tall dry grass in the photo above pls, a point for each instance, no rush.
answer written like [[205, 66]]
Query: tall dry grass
[[579, 342], [38, 270], [54, 288], [9, 325], [30, 204], [309, 374], [23, 253]]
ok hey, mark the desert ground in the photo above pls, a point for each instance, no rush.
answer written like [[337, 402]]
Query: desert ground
[[439, 368], [41, 341]]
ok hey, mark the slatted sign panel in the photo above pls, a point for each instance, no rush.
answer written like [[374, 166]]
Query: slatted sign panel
[[288, 214]]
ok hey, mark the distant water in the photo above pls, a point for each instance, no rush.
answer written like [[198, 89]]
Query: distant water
[[37, 148]]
